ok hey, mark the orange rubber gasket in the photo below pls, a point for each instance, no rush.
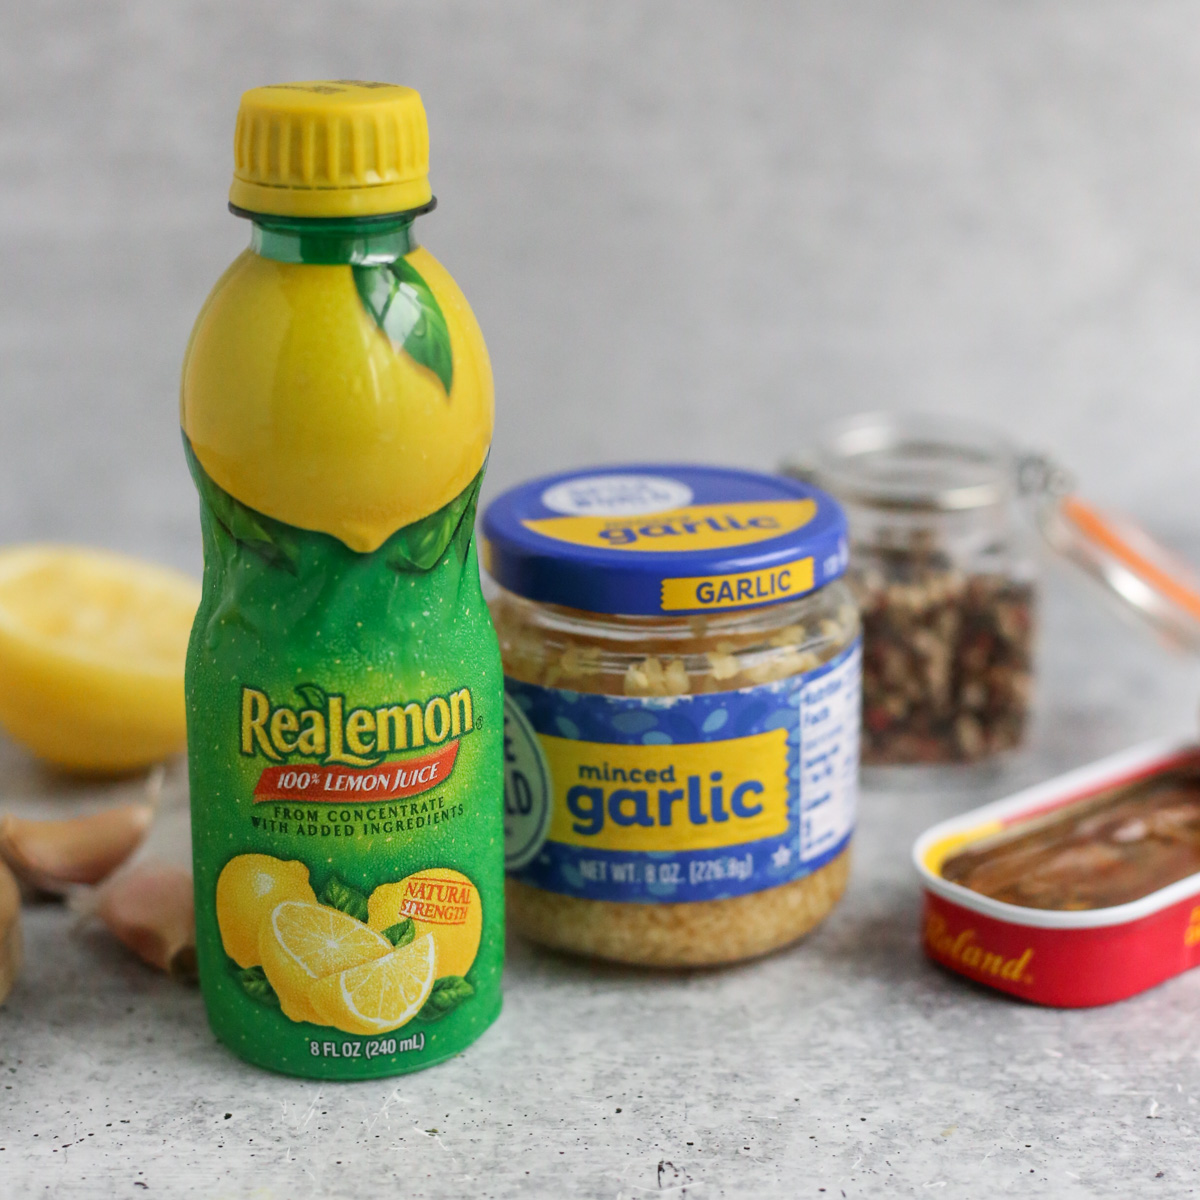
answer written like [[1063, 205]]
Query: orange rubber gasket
[[1099, 530]]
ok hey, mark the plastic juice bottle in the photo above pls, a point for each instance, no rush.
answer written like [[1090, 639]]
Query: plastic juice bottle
[[343, 680]]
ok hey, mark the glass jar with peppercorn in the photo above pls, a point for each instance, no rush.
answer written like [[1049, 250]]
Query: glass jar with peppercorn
[[942, 568]]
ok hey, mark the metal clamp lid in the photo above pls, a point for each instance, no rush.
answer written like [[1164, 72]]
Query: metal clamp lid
[[914, 462], [931, 464]]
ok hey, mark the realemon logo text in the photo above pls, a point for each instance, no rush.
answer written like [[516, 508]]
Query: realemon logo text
[[322, 729]]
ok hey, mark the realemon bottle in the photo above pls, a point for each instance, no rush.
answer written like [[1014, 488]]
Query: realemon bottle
[[344, 694]]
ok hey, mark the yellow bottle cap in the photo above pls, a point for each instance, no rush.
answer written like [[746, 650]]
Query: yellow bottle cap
[[333, 148]]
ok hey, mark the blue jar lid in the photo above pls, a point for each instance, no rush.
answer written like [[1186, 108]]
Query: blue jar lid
[[662, 539]]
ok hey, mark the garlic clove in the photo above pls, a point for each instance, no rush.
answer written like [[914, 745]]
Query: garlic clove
[[151, 910], [10, 931], [52, 854]]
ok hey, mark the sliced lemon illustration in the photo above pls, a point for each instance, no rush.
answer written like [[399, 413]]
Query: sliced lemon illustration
[[300, 943], [248, 890], [379, 995], [440, 902], [92, 646]]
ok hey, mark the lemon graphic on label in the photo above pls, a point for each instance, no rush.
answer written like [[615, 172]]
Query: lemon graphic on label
[[300, 943], [249, 887], [287, 450], [440, 902], [379, 995]]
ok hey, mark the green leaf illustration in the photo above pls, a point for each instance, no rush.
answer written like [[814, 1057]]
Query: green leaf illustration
[[401, 933], [343, 897], [448, 993], [313, 694], [271, 540], [419, 546], [256, 985], [402, 304]]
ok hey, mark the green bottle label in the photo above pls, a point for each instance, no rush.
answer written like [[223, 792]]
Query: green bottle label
[[345, 724]]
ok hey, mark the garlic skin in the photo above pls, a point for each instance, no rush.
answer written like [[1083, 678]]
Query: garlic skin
[[11, 946], [52, 855], [151, 910], [148, 902]]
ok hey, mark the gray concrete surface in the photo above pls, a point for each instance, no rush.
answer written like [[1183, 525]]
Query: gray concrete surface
[[690, 229], [847, 1063]]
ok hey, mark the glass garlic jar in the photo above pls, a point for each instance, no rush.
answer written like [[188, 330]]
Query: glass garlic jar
[[682, 666], [942, 570]]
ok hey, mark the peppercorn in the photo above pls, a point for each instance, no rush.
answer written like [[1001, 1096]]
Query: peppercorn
[[947, 658]]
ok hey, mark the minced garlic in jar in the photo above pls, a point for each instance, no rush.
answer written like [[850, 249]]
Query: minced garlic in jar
[[680, 785]]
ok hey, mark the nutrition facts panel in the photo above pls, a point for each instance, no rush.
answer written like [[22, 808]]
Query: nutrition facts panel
[[830, 706]]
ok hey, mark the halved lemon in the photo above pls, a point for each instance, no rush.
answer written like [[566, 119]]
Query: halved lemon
[[379, 995], [92, 647], [300, 943]]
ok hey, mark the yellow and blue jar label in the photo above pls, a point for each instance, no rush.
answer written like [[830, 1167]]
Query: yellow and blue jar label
[[681, 798]]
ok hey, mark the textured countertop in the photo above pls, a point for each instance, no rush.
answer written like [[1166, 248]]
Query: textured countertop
[[690, 229], [847, 1064]]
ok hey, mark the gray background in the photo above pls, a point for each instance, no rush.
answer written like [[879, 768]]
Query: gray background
[[689, 230]]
